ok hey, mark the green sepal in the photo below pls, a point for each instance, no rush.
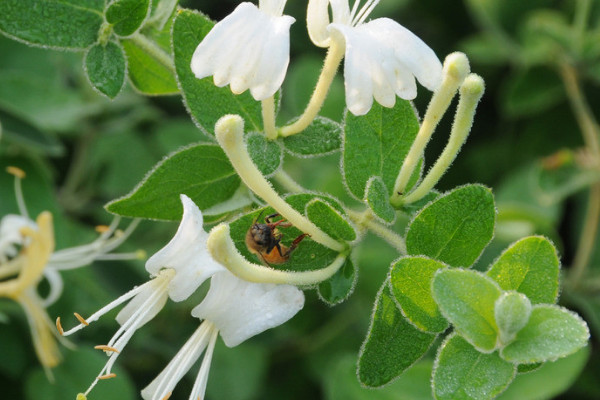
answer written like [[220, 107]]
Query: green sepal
[[467, 298], [127, 16], [340, 286], [392, 344], [378, 200], [323, 136], [376, 144], [410, 282], [106, 67], [202, 172], [59, 24], [461, 372], [205, 102], [455, 228], [552, 332], [529, 266]]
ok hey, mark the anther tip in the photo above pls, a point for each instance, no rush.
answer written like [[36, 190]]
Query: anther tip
[[81, 396], [16, 171], [59, 327]]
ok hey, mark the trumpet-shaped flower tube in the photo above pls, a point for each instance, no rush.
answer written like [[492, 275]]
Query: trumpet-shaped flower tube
[[382, 57], [248, 49]]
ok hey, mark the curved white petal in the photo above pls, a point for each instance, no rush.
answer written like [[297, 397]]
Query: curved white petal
[[382, 60], [187, 254], [248, 49], [273, 7], [10, 234], [317, 20], [242, 309]]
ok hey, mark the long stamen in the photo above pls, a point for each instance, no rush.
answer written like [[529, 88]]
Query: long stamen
[[19, 174], [364, 12], [199, 387]]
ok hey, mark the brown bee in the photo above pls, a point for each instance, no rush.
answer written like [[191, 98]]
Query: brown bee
[[264, 240]]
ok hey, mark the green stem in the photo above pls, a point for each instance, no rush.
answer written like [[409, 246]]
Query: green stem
[[151, 48], [366, 220], [582, 13], [268, 114]]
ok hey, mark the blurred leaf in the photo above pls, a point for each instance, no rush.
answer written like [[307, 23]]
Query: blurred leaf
[[205, 102], [63, 24], [161, 12], [527, 368], [126, 16], [267, 155], [202, 172], [75, 374], [552, 332], [461, 372], [376, 144], [14, 347], [105, 67], [392, 344], [329, 220], [340, 286], [323, 136], [549, 380], [529, 266], [378, 199], [455, 228], [341, 384], [466, 298], [410, 280], [483, 48], [532, 91], [18, 130]]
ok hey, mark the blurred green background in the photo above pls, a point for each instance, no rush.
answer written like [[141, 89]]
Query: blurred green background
[[81, 150]]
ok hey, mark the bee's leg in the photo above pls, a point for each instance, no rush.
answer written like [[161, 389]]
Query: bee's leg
[[268, 218], [295, 244]]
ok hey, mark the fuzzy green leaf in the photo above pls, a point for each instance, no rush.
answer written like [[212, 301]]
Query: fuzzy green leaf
[[126, 16], [455, 228], [105, 67], [376, 144], [461, 372], [529, 266], [392, 345], [205, 102], [378, 199], [329, 220], [64, 24], [202, 172], [340, 286], [323, 136], [309, 255], [410, 280], [512, 311], [552, 332], [266, 154], [467, 298]]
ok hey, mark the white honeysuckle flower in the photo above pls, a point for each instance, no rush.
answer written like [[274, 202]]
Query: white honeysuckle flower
[[248, 49], [382, 58], [187, 254], [236, 309]]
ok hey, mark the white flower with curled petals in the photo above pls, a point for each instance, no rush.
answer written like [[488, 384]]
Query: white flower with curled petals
[[236, 309], [382, 58], [248, 49]]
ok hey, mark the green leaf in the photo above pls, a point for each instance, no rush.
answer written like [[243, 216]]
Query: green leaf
[[205, 102], [323, 136], [340, 286], [410, 280], [485, 48], [461, 372], [202, 172], [512, 311], [552, 332], [75, 374], [266, 154], [329, 220], [455, 228], [161, 12], [376, 144], [63, 24], [147, 74], [529, 266], [466, 298], [309, 255], [527, 368], [532, 91], [16, 129], [392, 345], [549, 380], [378, 199], [340, 383], [126, 16], [105, 67]]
